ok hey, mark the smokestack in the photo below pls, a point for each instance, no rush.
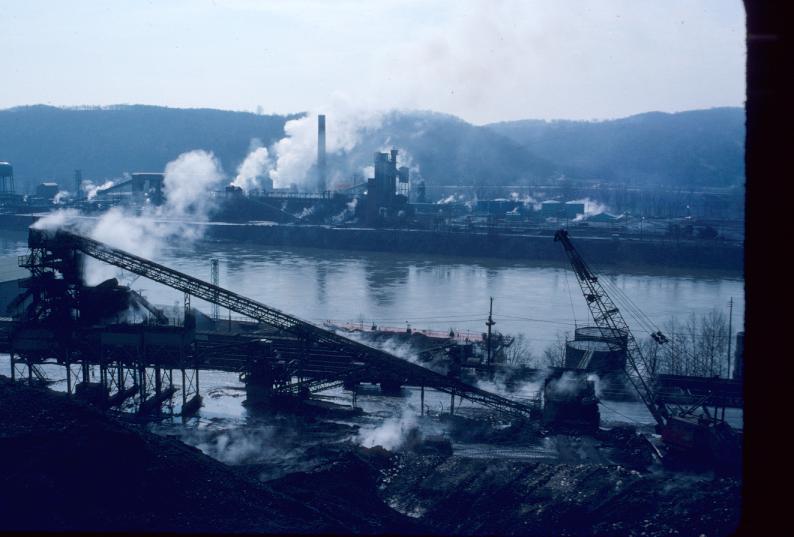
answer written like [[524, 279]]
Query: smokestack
[[78, 184], [321, 153]]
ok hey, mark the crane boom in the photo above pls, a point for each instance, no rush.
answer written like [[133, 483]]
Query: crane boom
[[607, 315]]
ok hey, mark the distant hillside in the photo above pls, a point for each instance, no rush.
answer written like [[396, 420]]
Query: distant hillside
[[699, 147], [703, 147], [43, 142], [449, 151]]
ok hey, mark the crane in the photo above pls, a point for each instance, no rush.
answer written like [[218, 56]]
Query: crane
[[677, 431]]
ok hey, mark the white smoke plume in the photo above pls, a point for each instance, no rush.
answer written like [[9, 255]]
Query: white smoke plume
[[90, 189], [569, 383], [591, 208], [367, 172], [60, 196], [296, 153], [523, 390], [188, 182], [599, 386], [526, 200], [347, 213], [56, 219], [254, 168], [391, 434], [390, 345], [306, 212]]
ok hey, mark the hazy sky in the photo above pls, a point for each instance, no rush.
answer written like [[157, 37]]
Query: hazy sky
[[481, 60]]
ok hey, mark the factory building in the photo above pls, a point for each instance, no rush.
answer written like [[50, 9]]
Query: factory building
[[573, 209], [48, 190], [383, 200], [148, 184], [557, 209], [498, 207], [551, 209]]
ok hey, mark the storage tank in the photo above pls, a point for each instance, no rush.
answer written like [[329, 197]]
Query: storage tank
[[594, 355], [6, 177], [597, 333]]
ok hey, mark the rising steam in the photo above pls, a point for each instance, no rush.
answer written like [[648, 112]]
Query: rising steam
[[187, 186], [591, 208], [391, 434], [256, 166]]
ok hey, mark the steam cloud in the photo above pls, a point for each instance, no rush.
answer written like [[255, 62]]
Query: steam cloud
[[391, 434], [188, 182], [591, 208], [295, 154], [257, 164], [90, 188]]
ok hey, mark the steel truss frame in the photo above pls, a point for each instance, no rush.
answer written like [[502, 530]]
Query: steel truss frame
[[61, 243]]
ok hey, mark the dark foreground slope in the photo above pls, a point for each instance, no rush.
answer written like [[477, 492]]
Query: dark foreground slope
[[69, 467], [509, 497]]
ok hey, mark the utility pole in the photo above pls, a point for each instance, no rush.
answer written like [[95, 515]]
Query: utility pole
[[730, 330], [489, 324], [215, 278]]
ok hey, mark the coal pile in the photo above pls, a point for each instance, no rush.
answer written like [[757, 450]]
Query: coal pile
[[500, 497], [627, 447], [75, 468], [78, 469]]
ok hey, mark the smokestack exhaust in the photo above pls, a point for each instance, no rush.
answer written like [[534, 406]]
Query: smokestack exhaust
[[321, 186]]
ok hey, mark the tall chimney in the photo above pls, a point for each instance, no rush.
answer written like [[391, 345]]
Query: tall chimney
[[321, 153]]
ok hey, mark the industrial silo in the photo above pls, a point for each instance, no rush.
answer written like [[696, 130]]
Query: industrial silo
[[598, 333], [597, 349], [6, 178]]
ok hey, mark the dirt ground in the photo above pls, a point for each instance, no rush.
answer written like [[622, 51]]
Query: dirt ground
[[75, 468]]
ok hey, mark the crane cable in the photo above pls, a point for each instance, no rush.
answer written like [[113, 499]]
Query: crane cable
[[630, 307], [570, 298]]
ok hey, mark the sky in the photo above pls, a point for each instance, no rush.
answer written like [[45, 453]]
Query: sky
[[483, 61]]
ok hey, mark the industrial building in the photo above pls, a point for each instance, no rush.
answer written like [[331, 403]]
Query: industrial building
[[47, 190], [557, 209], [383, 202]]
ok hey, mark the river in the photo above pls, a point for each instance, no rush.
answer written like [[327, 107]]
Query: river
[[538, 300]]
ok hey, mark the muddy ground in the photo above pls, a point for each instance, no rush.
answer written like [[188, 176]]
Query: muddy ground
[[71, 467]]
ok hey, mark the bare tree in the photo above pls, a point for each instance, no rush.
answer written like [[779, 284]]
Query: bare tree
[[518, 353], [554, 354], [654, 355], [696, 347]]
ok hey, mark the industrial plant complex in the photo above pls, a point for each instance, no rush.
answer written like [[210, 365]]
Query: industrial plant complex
[[125, 355]]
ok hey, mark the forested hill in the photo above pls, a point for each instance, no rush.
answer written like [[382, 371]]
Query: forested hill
[[44, 142], [694, 148], [698, 148]]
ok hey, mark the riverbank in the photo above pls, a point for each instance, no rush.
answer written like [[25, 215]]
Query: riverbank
[[604, 251]]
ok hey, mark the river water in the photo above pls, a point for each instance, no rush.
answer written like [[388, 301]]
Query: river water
[[440, 293], [538, 300]]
